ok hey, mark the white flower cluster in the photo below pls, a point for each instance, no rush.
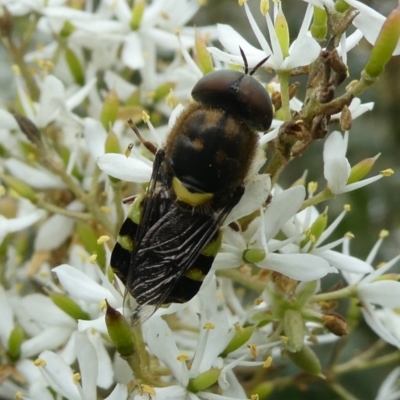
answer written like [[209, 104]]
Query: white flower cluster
[[101, 63]]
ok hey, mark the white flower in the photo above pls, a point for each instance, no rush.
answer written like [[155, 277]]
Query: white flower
[[303, 50], [369, 22], [302, 222], [336, 166], [303, 267]]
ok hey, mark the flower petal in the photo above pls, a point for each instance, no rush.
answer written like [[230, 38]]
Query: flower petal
[[125, 168], [302, 267]]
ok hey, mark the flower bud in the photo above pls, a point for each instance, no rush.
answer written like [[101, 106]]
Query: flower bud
[[69, 306], [88, 238], [359, 170], [112, 144], [119, 331], [306, 360], [319, 26], [264, 389], [282, 32], [204, 380], [15, 340], [137, 14], [204, 60], [75, 66], [341, 6], [385, 44], [163, 91], [20, 187], [242, 335], [109, 111], [67, 29], [293, 326]]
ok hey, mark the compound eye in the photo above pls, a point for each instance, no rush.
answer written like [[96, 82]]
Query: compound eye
[[235, 92]]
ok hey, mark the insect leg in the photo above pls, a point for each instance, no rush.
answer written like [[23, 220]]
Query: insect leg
[[149, 146]]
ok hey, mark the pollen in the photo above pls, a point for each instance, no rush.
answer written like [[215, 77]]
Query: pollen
[[268, 362], [19, 396], [182, 357], [383, 233], [209, 326], [128, 150], [76, 378], [238, 327], [148, 389], [105, 209], [253, 350], [145, 117], [284, 339], [349, 235], [16, 69], [387, 172], [39, 362], [312, 187], [347, 207], [102, 239], [255, 397], [92, 258]]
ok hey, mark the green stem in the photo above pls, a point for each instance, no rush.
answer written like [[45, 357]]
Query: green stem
[[324, 195], [341, 391], [349, 291], [285, 97], [248, 281], [358, 364], [84, 217]]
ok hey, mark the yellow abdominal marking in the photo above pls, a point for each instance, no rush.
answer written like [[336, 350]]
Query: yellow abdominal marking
[[194, 199]]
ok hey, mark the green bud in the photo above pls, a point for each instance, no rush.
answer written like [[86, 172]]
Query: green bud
[[242, 335], [20, 187], [263, 390], [75, 66], [306, 360], [67, 29], [319, 225], [253, 255], [119, 331], [112, 144], [282, 32], [14, 343], [319, 26], [109, 111], [385, 44], [204, 60], [341, 6], [134, 99], [204, 380], [163, 91], [293, 326], [69, 306], [88, 238], [359, 170], [137, 14]]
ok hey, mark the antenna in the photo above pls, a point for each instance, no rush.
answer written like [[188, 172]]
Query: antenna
[[246, 65]]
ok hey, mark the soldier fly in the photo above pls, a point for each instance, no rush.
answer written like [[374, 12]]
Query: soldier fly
[[168, 242]]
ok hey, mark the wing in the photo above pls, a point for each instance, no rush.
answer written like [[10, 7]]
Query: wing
[[171, 247], [145, 211]]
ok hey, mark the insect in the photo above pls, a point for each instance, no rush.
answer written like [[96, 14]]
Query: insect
[[168, 242]]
